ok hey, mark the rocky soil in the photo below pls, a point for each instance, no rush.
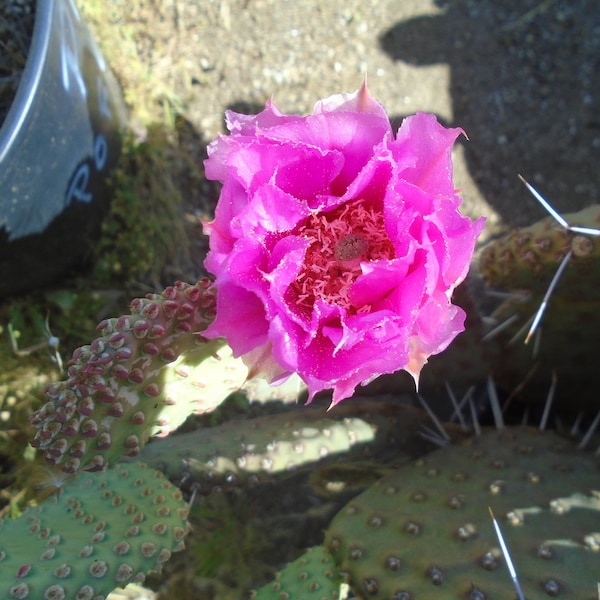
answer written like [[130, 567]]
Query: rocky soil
[[521, 77]]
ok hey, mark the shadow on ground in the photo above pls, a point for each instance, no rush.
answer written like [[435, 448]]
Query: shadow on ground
[[525, 84]]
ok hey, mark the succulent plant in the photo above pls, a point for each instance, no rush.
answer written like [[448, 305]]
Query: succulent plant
[[425, 530], [421, 531], [312, 575], [102, 531], [143, 376], [245, 450], [523, 264], [266, 445], [527, 258]]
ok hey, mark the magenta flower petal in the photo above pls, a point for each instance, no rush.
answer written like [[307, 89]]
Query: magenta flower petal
[[357, 102], [244, 323], [248, 125], [423, 151], [335, 245]]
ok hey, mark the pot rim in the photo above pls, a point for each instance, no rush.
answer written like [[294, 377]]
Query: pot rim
[[34, 67]]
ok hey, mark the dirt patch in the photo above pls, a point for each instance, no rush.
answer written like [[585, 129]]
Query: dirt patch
[[521, 78]]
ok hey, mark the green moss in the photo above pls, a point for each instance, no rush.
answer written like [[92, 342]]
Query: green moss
[[223, 554], [21, 382], [144, 230]]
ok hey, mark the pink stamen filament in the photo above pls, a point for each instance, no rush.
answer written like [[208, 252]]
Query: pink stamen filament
[[339, 241]]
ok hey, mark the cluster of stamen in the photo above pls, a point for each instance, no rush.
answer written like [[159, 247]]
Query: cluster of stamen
[[340, 241]]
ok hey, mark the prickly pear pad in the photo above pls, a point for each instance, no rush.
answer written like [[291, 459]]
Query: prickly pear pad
[[101, 532], [312, 575], [425, 530], [524, 263], [527, 258], [262, 446], [145, 374]]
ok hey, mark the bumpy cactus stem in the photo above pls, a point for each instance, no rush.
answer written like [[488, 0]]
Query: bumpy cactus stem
[[424, 531], [524, 263], [312, 575], [143, 376], [103, 531], [528, 258], [255, 447]]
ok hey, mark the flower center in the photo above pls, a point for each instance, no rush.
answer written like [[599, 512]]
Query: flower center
[[351, 247], [339, 241]]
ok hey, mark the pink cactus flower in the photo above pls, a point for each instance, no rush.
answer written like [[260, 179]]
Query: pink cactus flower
[[336, 245]]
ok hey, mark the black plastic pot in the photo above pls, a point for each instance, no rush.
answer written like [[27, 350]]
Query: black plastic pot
[[58, 144]]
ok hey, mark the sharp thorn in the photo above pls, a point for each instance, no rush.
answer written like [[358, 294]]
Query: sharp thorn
[[515, 338], [549, 291], [492, 333], [575, 427], [536, 321], [590, 432], [474, 417], [457, 409], [433, 436], [195, 489], [585, 230], [507, 558], [489, 321], [433, 417], [548, 404], [496, 408], [516, 296], [549, 208], [537, 342]]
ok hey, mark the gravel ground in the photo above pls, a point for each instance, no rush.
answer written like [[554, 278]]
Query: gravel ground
[[521, 77]]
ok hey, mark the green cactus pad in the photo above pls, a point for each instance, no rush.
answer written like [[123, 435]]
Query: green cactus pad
[[263, 445], [524, 264], [312, 575], [143, 376], [102, 531], [527, 258], [425, 530]]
